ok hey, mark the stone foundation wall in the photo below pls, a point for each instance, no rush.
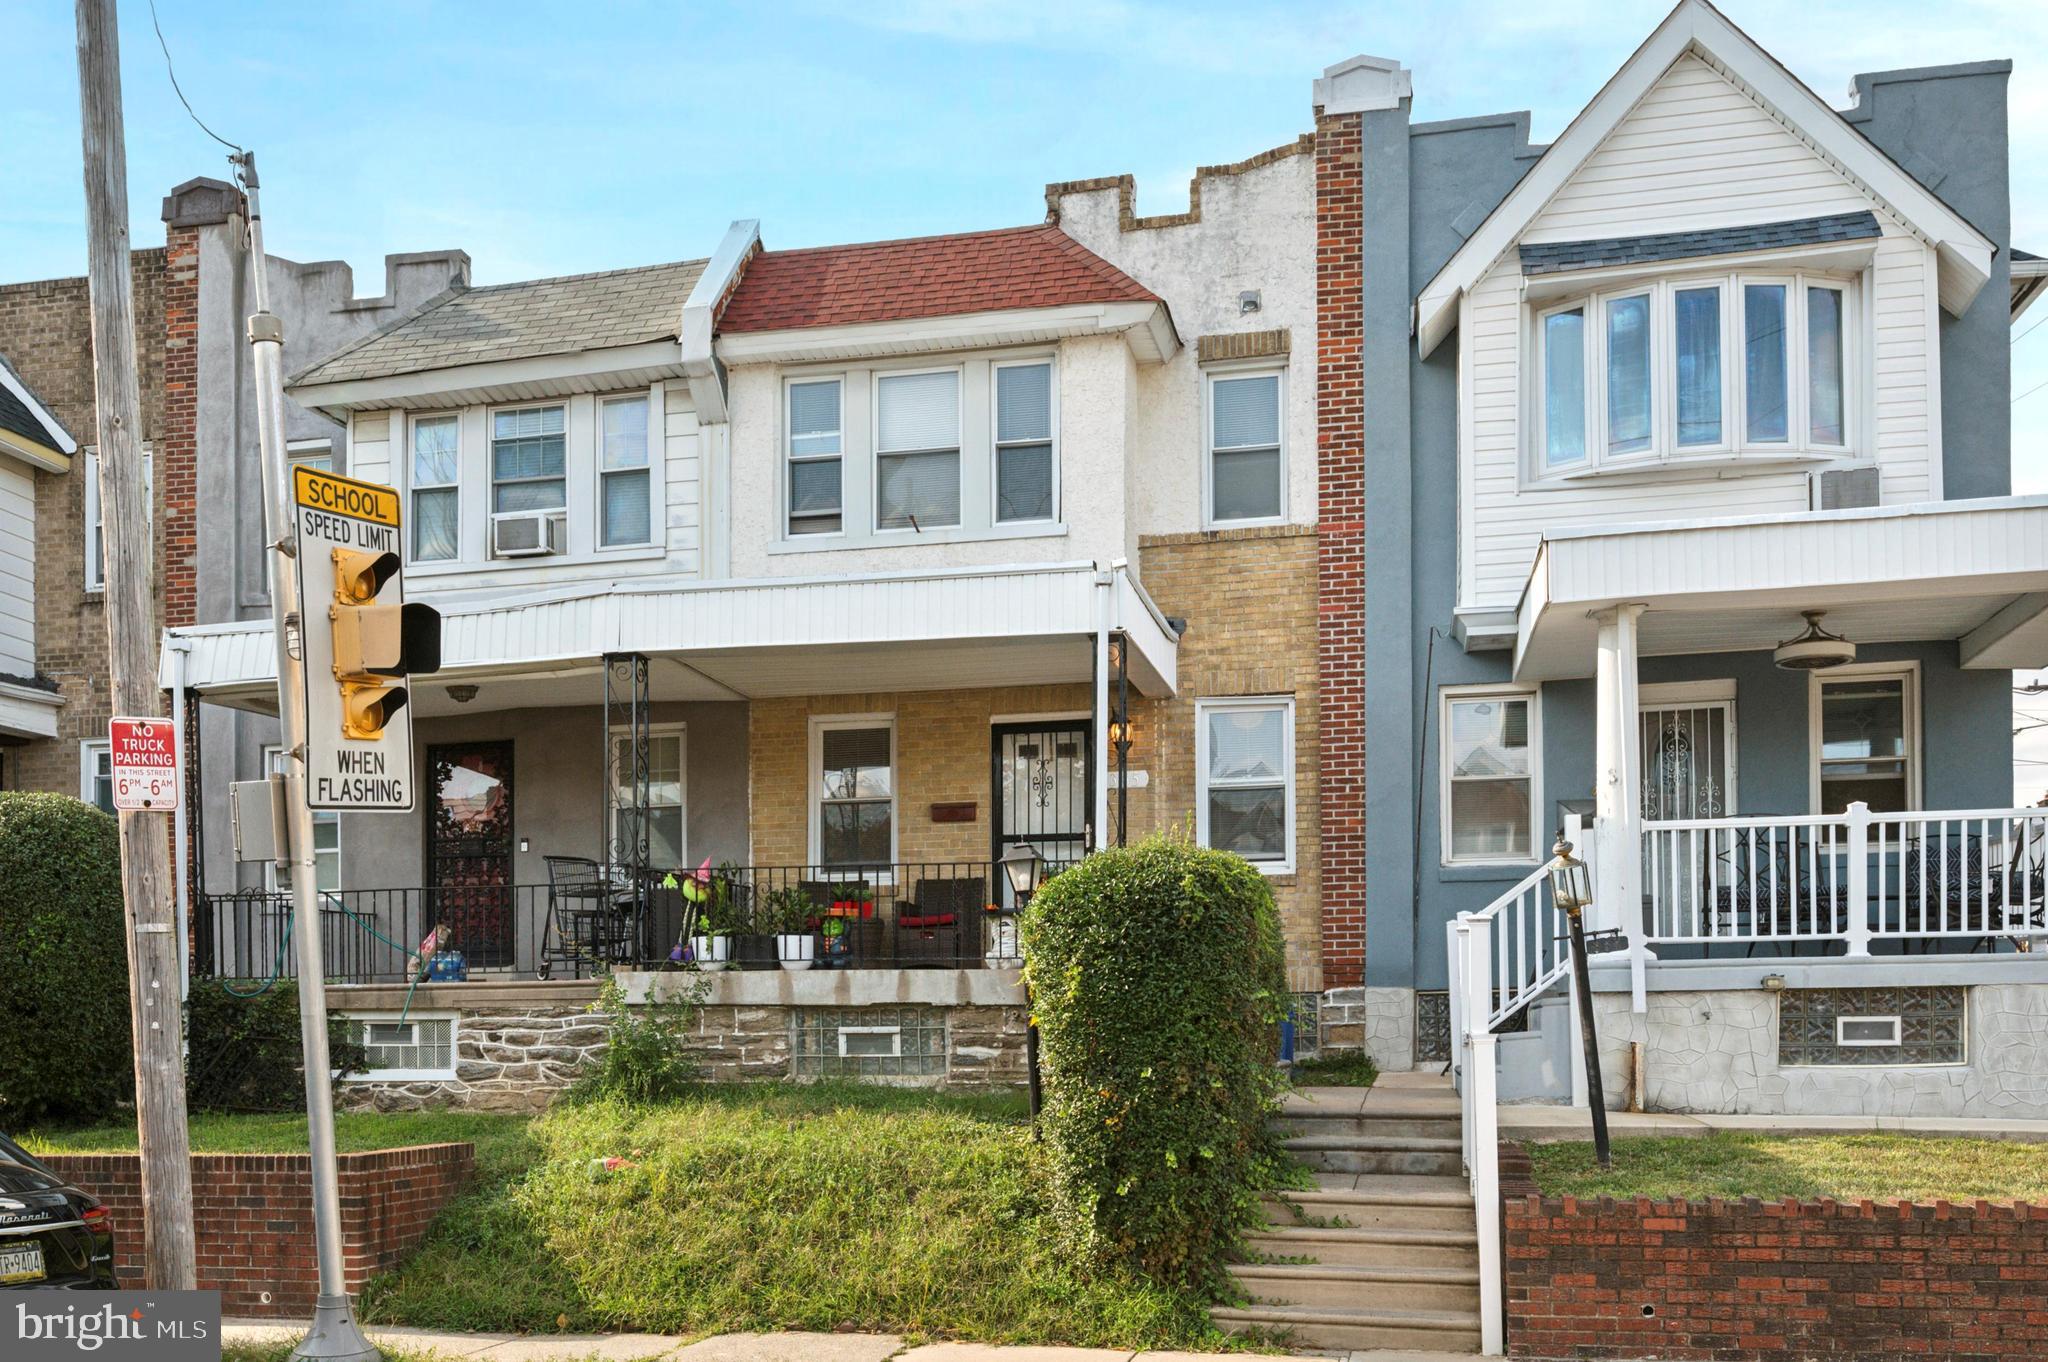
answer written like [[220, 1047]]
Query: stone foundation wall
[[506, 1059], [1379, 1021]]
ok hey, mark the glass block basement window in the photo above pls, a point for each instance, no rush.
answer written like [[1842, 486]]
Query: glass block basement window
[[416, 1045], [1432, 1028], [1308, 1024], [907, 1042], [1871, 1026]]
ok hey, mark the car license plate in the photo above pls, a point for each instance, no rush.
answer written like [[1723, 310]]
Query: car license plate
[[23, 1264]]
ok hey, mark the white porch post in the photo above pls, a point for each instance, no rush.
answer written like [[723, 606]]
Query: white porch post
[[1617, 782], [1105, 590]]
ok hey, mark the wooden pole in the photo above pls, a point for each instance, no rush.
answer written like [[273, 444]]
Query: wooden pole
[[154, 951]]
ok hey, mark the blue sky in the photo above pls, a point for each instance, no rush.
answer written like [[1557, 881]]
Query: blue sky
[[552, 138]]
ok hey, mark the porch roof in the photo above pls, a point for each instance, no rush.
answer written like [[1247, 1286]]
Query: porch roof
[[736, 640], [1972, 571]]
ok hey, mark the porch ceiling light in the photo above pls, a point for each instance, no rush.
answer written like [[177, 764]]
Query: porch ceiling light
[[1816, 649], [463, 694]]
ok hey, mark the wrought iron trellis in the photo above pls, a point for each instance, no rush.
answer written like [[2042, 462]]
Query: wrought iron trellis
[[627, 758], [195, 834], [1120, 726]]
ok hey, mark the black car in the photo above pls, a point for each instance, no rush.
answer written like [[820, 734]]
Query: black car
[[52, 1234]]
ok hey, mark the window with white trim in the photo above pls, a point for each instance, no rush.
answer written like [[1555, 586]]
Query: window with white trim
[[667, 802], [1720, 366], [436, 468], [853, 792], [1489, 776], [816, 455], [917, 450], [1024, 457], [95, 517], [529, 460], [416, 1047], [96, 773], [1866, 738], [1244, 769], [1247, 463], [326, 839], [625, 493]]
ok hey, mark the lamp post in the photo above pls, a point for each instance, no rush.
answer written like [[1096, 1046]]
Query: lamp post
[[1571, 889], [1022, 867]]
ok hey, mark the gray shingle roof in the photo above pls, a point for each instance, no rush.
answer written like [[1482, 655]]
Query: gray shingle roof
[[568, 315], [18, 417], [1550, 257]]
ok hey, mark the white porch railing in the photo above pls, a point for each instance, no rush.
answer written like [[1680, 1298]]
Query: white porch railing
[[1975, 876]]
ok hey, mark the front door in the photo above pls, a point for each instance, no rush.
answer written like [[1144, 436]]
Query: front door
[[1044, 790], [469, 849], [1688, 760]]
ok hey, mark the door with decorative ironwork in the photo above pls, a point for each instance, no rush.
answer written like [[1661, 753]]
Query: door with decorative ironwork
[[469, 849], [1044, 786], [1688, 760]]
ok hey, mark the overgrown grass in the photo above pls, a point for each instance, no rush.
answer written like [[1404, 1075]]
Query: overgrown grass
[[1338, 1069], [499, 1139], [1846, 1167]]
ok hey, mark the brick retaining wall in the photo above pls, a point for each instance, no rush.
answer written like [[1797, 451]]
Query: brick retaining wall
[[254, 1214], [1732, 1281]]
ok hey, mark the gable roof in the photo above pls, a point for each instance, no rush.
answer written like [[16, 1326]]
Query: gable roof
[[28, 429], [566, 315], [935, 276], [1964, 254]]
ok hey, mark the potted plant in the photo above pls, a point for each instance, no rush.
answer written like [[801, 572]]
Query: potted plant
[[788, 914], [838, 946], [853, 898], [711, 947]]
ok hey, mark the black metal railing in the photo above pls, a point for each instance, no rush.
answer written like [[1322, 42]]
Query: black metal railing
[[928, 914]]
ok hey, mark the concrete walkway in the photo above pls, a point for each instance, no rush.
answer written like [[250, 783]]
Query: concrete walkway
[[792, 1347], [1546, 1124]]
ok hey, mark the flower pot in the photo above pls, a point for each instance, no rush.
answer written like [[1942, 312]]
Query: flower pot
[[796, 950], [864, 908], [711, 952], [1000, 949]]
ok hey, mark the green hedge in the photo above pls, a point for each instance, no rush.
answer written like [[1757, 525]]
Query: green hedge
[[1158, 986], [243, 1053], [65, 1049]]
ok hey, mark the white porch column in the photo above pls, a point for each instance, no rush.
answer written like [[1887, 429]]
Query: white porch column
[[1105, 608], [1617, 783]]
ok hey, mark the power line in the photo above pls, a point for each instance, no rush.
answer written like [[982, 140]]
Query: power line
[[2028, 332], [172, 71], [2031, 391]]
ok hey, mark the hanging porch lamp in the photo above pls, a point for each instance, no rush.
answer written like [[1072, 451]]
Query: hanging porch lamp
[[1816, 649]]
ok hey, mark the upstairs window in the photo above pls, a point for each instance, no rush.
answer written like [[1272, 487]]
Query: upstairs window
[[529, 460], [436, 526], [917, 450], [1247, 470], [1024, 456], [1723, 367], [816, 452], [625, 501], [95, 516]]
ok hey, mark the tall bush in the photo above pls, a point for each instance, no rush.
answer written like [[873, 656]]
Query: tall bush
[[65, 1048], [1158, 986], [244, 1051]]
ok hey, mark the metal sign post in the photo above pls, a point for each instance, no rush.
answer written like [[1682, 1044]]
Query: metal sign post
[[334, 1333]]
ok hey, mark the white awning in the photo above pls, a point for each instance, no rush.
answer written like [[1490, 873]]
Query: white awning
[[28, 711], [1971, 571], [989, 626]]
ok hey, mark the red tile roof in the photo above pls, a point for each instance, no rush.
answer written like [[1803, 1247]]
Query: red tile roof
[[933, 276]]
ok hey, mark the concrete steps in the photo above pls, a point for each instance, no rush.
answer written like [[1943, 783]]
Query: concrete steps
[[1382, 1252]]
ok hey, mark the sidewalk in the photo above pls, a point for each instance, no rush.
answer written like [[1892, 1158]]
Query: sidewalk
[[1545, 1124], [793, 1347]]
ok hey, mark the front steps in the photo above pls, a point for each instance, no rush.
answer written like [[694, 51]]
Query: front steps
[[1383, 1252]]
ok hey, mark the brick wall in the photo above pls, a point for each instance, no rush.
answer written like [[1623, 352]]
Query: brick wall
[[177, 449], [1250, 599], [1340, 398], [254, 1214], [46, 333], [1737, 1280]]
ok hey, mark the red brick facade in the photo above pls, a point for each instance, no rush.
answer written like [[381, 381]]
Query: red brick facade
[[254, 1214], [177, 452], [1731, 1281], [1340, 507]]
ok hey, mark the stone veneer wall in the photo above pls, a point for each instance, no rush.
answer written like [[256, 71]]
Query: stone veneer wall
[[1379, 1021]]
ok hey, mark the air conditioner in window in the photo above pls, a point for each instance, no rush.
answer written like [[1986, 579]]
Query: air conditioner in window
[[526, 534]]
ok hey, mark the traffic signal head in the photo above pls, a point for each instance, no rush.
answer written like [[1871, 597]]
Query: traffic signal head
[[366, 706], [373, 642], [359, 576]]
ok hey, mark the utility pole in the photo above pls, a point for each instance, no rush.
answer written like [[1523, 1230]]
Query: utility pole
[[334, 1335], [155, 953]]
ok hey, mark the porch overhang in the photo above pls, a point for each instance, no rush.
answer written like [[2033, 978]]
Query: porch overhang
[[739, 640], [1975, 572]]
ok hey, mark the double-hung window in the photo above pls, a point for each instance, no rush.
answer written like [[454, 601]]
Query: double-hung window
[[528, 460], [667, 837], [95, 516], [436, 502], [625, 497], [1866, 739], [1244, 761], [854, 792], [1489, 766], [917, 450], [96, 773], [1024, 442], [1247, 464], [816, 452], [1726, 366]]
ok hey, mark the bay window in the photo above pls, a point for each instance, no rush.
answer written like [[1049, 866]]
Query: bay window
[[917, 450], [1722, 367]]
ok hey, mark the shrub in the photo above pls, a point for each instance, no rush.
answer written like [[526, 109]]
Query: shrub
[[65, 1048], [1157, 984], [645, 1059], [243, 1052]]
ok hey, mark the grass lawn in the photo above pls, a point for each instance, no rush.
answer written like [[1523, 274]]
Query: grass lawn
[[1339, 1069], [756, 1207], [1846, 1167]]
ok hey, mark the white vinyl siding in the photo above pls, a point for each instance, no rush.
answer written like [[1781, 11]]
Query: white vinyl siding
[[17, 570]]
